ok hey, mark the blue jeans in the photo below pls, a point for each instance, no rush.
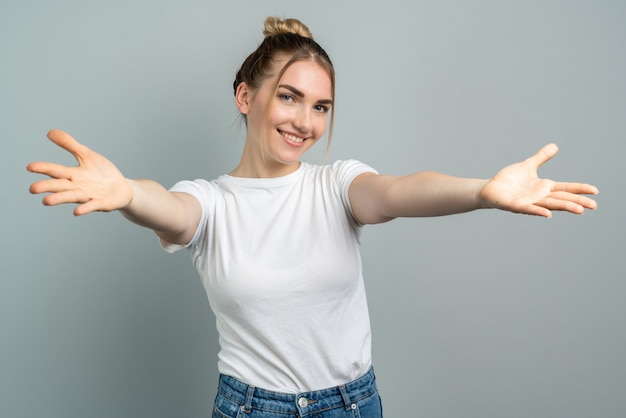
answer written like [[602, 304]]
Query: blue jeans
[[357, 399]]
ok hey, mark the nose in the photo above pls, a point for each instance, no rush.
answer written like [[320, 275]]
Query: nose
[[303, 120]]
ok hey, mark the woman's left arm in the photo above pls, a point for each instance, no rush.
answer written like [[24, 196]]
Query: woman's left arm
[[516, 188]]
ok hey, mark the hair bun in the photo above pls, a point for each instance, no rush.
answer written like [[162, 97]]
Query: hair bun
[[275, 26]]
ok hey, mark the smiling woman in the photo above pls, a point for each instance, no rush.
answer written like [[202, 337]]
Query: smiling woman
[[285, 121], [276, 241]]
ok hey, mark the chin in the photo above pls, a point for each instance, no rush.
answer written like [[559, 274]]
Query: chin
[[293, 156]]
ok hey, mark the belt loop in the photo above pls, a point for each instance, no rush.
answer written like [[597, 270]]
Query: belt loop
[[247, 407], [346, 399]]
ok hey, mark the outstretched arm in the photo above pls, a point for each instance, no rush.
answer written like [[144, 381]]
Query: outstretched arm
[[516, 188], [95, 184]]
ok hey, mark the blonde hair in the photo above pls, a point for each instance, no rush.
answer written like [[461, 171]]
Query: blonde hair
[[285, 38], [275, 25]]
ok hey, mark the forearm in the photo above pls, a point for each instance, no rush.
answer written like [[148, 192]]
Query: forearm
[[431, 194], [171, 215], [379, 198]]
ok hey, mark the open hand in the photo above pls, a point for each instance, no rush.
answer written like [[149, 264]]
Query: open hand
[[95, 183], [517, 188]]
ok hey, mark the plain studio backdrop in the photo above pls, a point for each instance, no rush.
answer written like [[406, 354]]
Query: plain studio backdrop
[[481, 315]]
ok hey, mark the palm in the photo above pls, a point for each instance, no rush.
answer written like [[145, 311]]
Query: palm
[[95, 183], [517, 188]]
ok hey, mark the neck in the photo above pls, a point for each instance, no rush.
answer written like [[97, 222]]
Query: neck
[[262, 172], [254, 165]]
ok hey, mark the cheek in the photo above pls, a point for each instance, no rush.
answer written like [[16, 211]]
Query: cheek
[[279, 114], [320, 126]]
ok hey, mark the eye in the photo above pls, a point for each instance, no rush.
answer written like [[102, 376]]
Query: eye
[[286, 97], [321, 108]]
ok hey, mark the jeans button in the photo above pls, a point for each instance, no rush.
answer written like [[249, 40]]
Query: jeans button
[[303, 402]]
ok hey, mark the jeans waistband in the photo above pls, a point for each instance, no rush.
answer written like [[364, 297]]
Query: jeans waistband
[[302, 403]]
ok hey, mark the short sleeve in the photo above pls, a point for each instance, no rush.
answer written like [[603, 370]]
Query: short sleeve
[[345, 172], [201, 190]]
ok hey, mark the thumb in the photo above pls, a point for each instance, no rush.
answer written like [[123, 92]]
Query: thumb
[[67, 142], [544, 155]]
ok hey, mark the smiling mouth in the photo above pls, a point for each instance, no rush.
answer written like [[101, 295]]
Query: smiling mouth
[[291, 138]]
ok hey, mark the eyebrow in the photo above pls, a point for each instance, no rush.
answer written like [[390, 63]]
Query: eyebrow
[[300, 94]]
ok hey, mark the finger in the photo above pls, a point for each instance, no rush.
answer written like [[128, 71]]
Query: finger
[[67, 196], [543, 155], [95, 205], [587, 203], [87, 207], [65, 141], [536, 210], [582, 201], [577, 188], [552, 203], [50, 186], [53, 170]]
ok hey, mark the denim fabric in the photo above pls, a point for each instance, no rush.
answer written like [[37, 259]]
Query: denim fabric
[[358, 398]]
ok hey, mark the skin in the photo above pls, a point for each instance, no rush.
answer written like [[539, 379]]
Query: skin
[[299, 109], [516, 188]]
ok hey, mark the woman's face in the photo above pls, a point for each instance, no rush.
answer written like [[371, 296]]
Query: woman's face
[[297, 113]]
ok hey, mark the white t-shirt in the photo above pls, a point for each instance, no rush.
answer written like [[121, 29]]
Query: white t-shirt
[[279, 259]]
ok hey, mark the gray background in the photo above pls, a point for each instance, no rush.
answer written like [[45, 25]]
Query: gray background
[[486, 314]]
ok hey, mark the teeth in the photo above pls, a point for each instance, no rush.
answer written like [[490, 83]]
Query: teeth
[[291, 137]]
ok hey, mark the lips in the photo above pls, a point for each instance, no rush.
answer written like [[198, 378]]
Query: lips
[[291, 138]]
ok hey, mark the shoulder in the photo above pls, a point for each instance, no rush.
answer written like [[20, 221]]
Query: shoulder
[[205, 191], [345, 171], [339, 169], [195, 186]]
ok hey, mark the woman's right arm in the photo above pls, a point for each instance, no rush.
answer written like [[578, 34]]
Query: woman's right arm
[[173, 216], [95, 184]]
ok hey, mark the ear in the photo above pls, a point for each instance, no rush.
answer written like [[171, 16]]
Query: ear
[[243, 96]]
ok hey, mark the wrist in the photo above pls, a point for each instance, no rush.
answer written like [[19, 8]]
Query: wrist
[[132, 188], [482, 201]]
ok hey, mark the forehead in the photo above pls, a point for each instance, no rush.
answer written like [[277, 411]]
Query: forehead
[[308, 76]]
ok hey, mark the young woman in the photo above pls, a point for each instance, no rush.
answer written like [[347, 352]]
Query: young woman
[[276, 240]]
